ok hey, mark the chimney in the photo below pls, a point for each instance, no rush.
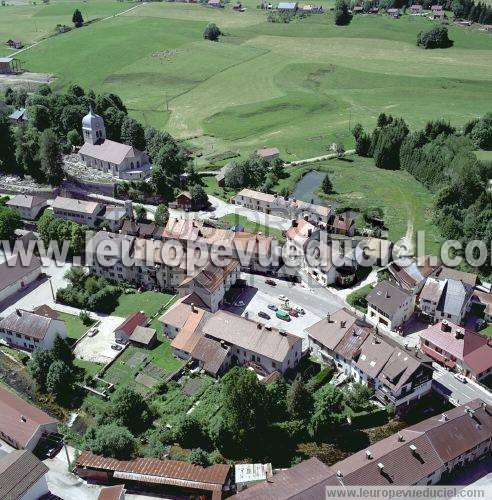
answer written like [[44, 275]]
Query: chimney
[[342, 324], [310, 232], [306, 217], [445, 326], [381, 467], [444, 417], [459, 333], [283, 333], [339, 473], [18, 312], [400, 437], [23, 419], [258, 326], [246, 314], [413, 448], [328, 318], [294, 223], [387, 295], [368, 455], [193, 308]]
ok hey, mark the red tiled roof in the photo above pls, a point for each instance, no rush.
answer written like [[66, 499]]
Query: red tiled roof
[[153, 470], [129, 325], [18, 419], [111, 492]]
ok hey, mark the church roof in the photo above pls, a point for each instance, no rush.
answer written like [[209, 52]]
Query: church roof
[[109, 151]]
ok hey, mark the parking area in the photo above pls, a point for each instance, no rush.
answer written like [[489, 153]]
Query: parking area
[[98, 348], [251, 301]]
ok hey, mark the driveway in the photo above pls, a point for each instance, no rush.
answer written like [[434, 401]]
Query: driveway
[[98, 348]]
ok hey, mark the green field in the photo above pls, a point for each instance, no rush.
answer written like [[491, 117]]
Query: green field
[[75, 326], [298, 86], [252, 227], [149, 302]]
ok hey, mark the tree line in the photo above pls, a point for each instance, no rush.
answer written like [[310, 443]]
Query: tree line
[[443, 160]]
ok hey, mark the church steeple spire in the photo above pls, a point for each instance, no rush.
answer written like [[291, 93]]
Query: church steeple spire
[[93, 127]]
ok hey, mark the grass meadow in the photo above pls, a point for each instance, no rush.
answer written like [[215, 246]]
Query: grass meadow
[[299, 86]]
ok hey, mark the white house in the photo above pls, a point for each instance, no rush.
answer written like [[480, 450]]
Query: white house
[[27, 206], [28, 330], [120, 160], [80, 211], [389, 305], [14, 276]]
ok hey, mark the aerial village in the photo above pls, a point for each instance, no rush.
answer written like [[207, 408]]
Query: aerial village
[[173, 330]]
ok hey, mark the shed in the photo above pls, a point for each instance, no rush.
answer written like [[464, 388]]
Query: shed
[[289, 6], [143, 337], [126, 329]]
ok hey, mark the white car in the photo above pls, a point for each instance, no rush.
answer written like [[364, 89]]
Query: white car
[[93, 332], [283, 298], [460, 377]]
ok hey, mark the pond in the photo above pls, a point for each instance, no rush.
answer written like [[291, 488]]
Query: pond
[[306, 187]]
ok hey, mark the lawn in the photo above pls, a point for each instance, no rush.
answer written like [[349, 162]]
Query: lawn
[[487, 331], [298, 86], [75, 326], [90, 367], [252, 227], [149, 302]]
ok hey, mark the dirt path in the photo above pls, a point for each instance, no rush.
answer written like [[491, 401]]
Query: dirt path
[[329, 156]]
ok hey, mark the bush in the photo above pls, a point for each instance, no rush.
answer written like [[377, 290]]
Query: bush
[[320, 379], [435, 38], [212, 32], [85, 318]]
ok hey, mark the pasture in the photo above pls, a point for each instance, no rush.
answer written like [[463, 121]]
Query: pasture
[[299, 86]]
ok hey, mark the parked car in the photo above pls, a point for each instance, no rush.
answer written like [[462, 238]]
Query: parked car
[[283, 298], [273, 307], [270, 282], [460, 377], [213, 217], [282, 315], [294, 313], [285, 307], [263, 315], [93, 332], [116, 347], [300, 310]]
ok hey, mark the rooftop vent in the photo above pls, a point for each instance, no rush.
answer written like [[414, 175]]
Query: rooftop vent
[[413, 448], [368, 454], [23, 419], [444, 417], [381, 467], [339, 473], [400, 437], [342, 324]]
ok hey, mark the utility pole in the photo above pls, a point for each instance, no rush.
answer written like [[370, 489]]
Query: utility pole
[[51, 288], [350, 118]]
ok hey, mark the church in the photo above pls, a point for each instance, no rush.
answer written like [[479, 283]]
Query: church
[[120, 160]]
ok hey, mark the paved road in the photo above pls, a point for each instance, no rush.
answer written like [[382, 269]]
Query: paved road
[[449, 386], [330, 156]]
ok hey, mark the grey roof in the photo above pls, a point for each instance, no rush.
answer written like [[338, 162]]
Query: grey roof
[[456, 295], [6, 59], [387, 297], [114, 213], [211, 353], [27, 323], [26, 201], [19, 113], [109, 151], [287, 5], [143, 335], [19, 471], [12, 270], [74, 205]]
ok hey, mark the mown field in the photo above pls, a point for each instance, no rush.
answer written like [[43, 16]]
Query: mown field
[[298, 86]]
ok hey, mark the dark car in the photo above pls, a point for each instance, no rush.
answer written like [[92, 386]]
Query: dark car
[[270, 282], [273, 307], [294, 313], [263, 315]]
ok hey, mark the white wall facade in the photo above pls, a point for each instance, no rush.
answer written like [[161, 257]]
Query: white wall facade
[[19, 285]]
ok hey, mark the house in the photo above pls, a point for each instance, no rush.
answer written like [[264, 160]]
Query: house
[[115, 216], [255, 345], [211, 283], [214, 3], [445, 299], [423, 454], [287, 6], [143, 337], [14, 276], [342, 224], [269, 154], [247, 475], [416, 9], [83, 212], [393, 13], [458, 349], [22, 425], [282, 206], [116, 492], [22, 476], [120, 160], [123, 332], [172, 476], [358, 9], [220, 177], [28, 330], [27, 206], [300, 234], [455, 274], [411, 275], [436, 8], [400, 376], [8, 65], [175, 318], [19, 117], [389, 305]]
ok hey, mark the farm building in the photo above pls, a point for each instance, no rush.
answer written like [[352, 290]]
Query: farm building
[[143, 337], [268, 153], [27, 206], [9, 65], [287, 6]]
